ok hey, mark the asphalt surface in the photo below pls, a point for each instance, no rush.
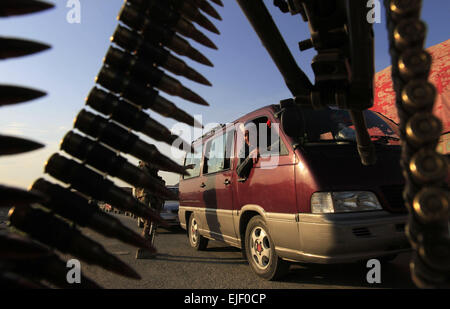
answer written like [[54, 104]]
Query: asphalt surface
[[178, 266]]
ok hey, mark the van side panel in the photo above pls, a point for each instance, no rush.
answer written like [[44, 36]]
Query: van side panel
[[191, 195], [218, 198], [306, 183], [273, 189]]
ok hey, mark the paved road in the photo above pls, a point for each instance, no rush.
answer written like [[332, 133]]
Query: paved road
[[178, 266]]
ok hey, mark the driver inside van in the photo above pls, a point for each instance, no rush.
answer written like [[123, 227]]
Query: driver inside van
[[248, 154]]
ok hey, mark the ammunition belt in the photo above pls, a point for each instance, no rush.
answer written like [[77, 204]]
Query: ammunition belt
[[125, 75], [425, 170], [48, 212]]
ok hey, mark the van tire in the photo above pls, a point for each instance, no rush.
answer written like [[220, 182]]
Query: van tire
[[196, 240], [265, 263]]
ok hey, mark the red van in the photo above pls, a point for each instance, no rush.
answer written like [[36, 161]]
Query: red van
[[306, 199]]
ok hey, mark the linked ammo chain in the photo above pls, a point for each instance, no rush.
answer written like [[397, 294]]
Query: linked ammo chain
[[426, 192], [131, 80]]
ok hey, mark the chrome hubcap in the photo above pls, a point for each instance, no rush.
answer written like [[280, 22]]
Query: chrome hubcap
[[194, 232], [260, 247]]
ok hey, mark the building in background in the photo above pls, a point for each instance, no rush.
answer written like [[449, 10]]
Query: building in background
[[384, 102]]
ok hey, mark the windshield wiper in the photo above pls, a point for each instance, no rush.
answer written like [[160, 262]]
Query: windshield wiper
[[385, 138], [331, 141]]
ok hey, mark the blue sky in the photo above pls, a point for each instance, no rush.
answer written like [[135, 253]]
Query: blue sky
[[244, 77]]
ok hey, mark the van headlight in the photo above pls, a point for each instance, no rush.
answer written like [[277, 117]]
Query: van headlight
[[346, 201]]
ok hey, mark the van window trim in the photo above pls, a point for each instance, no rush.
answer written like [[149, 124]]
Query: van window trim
[[270, 116], [201, 164], [221, 133]]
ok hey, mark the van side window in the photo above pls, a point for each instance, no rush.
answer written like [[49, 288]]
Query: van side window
[[229, 150], [274, 145], [218, 153], [268, 138], [193, 159]]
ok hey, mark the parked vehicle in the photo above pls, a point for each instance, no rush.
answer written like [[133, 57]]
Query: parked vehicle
[[311, 200], [169, 212]]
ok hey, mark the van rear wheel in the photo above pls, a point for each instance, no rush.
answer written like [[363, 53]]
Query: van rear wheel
[[260, 251], [196, 240]]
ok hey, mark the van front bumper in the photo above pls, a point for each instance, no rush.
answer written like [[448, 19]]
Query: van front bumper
[[348, 237]]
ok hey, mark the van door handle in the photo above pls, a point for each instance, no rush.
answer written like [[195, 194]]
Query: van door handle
[[202, 185], [227, 182]]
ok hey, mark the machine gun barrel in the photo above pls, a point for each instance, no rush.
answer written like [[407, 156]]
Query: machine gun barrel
[[263, 24]]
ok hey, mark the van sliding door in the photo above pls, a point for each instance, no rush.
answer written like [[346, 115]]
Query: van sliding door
[[218, 195]]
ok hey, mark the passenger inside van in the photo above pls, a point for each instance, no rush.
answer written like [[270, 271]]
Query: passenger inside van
[[248, 154]]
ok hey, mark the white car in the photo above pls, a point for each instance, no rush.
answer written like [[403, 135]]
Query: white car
[[169, 212]]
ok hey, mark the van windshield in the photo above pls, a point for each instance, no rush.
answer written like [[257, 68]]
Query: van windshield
[[334, 125]]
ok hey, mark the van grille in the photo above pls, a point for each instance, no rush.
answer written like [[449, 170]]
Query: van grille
[[394, 197], [361, 232]]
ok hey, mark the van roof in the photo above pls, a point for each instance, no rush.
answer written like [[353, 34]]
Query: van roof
[[271, 108]]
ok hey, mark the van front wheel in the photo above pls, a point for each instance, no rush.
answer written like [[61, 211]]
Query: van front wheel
[[260, 251], [196, 240]]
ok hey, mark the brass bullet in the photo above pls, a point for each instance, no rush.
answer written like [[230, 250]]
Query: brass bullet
[[16, 94], [125, 141], [151, 35], [11, 48], [11, 280], [218, 2], [51, 269], [105, 160], [56, 233], [185, 8], [73, 206], [414, 63], [418, 95], [13, 246], [131, 116], [203, 21], [410, 33], [428, 166], [175, 11], [191, 11], [405, 8], [436, 251], [431, 204], [423, 129], [133, 43], [146, 73], [21, 7], [10, 197], [423, 276], [207, 8], [155, 10], [14, 145], [92, 184]]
